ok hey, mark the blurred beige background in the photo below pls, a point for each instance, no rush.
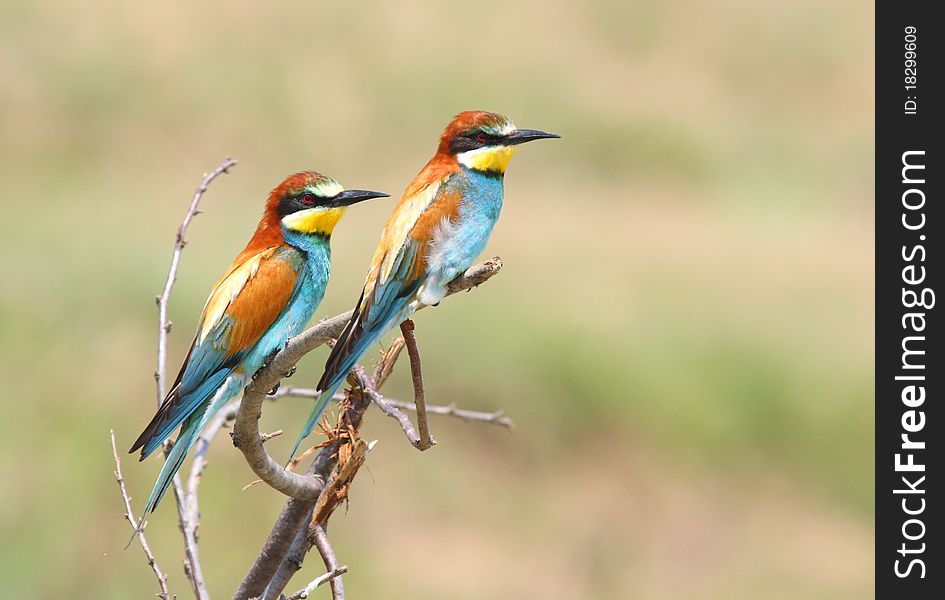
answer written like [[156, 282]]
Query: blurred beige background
[[682, 331]]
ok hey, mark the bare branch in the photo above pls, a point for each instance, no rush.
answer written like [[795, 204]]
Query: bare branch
[[386, 408], [416, 375], [319, 537], [302, 392], [330, 575], [268, 436], [284, 551], [282, 555], [189, 531], [179, 243], [495, 418], [335, 492], [129, 515], [186, 509], [246, 434], [292, 522]]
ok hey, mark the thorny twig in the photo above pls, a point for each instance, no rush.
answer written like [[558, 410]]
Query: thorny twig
[[129, 515]]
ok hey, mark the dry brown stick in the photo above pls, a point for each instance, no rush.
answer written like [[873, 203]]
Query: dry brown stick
[[246, 435], [386, 366], [416, 375], [336, 489], [129, 515], [188, 527]]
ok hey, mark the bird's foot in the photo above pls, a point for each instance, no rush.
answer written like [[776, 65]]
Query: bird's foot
[[274, 389], [267, 360], [290, 372]]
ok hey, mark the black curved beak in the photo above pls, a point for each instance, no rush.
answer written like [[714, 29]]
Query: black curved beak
[[349, 197], [520, 136]]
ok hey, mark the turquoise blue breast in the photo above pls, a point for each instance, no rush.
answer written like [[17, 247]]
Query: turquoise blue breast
[[478, 213], [314, 268]]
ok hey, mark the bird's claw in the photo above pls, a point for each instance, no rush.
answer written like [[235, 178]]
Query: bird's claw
[[274, 389], [268, 360]]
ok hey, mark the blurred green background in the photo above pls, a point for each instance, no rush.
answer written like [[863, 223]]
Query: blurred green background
[[682, 332]]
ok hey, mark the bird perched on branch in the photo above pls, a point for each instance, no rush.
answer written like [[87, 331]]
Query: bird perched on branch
[[267, 295], [437, 230]]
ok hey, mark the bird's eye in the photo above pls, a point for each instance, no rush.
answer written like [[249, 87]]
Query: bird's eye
[[307, 198], [482, 138]]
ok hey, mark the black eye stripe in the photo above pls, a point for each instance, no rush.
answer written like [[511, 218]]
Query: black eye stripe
[[471, 141], [301, 201]]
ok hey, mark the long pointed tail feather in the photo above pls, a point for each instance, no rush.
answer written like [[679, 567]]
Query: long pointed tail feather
[[320, 405], [185, 441], [342, 365], [189, 433], [175, 409]]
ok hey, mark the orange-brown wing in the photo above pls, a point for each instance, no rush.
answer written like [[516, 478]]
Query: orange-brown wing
[[240, 310], [248, 300]]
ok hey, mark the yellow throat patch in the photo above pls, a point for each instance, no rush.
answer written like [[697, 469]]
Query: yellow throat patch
[[314, 220], [490, 158]]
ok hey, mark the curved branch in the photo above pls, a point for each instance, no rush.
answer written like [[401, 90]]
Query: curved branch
[[277, 561], [246, 434]]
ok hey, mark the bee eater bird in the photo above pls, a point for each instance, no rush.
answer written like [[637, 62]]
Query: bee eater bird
[[267, 295], [436, 231]]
